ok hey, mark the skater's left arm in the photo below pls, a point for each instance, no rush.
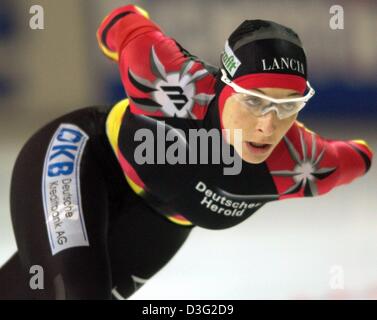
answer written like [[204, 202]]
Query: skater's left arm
[[350, 159]]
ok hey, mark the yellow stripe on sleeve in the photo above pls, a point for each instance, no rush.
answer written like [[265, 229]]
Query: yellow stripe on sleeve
[[114, 122], [110, 54], [363, 142], [142, 11]]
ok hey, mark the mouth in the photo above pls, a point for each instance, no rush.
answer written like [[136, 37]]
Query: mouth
[[258, 148]]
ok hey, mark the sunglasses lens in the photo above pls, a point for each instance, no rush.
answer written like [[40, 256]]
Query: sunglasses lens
[[259, 106]]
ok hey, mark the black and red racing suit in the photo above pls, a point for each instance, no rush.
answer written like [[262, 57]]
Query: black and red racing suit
[[100, 223], [165, 83]]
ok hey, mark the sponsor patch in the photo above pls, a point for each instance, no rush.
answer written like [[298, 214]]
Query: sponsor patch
[[61, 189], [230, 61]]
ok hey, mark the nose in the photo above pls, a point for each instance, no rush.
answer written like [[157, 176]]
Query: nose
[[267, 123]]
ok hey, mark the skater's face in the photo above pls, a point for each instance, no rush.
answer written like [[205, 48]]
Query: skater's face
[[267, 130]]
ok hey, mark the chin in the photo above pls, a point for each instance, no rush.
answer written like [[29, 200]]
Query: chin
[[254, 160]]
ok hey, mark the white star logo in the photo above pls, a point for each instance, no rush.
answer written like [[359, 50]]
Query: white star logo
[[307, 170], [174, 93]]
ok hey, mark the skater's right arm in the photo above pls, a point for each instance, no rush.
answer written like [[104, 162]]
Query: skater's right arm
[[148, 60]]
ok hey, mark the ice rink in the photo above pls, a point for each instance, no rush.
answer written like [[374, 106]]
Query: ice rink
[[300, 248]]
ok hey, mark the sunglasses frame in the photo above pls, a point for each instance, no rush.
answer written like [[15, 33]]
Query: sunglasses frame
[[239, 89]]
